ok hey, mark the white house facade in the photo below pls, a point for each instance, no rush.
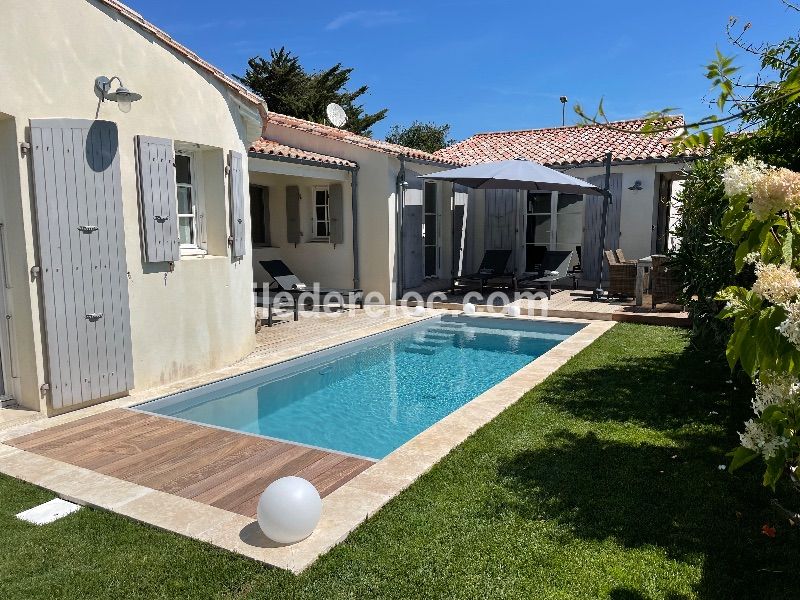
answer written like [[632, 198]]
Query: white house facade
[[125, 242]]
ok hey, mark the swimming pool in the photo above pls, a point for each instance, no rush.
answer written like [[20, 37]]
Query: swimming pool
[[370, 396]]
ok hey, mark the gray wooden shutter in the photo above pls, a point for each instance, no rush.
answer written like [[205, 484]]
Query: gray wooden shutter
[[293, 233], [500, 226], [236, 183], [591, 252], [158, 202], [267, 224], [460, 201], [81, 240], [336, 212], [413, 242]]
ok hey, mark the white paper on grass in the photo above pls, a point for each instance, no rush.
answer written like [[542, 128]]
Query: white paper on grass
[[48, 512]]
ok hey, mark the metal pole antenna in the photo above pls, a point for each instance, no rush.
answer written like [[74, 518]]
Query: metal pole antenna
[[598, 292]]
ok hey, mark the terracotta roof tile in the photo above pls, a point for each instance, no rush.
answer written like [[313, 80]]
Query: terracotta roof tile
[[355, 139], [265, 146], [571, 145]]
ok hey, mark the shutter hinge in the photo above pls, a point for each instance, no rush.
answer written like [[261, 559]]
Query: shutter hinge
[[24, 149], [44, 388], [36, 271]]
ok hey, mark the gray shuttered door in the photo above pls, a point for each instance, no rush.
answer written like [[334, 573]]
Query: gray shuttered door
[[336, 212], [236, 195], [155, 160], [500, 228], [413, 244], [293, 233], [81, 241], [591, 253]]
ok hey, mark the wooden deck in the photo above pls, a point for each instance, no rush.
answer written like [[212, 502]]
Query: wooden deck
[[221, 468]]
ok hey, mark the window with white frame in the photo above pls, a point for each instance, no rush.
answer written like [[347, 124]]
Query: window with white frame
[[321, 224], [190, 214], [538, 220]]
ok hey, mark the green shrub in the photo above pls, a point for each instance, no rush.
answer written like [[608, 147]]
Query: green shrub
[[704, 259]]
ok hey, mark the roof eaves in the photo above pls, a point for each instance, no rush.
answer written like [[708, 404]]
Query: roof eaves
[[357, 140], [164, 37]]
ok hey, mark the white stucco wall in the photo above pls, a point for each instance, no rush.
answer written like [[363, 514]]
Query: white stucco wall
[[328, 264], [193, 319], [377, 177]]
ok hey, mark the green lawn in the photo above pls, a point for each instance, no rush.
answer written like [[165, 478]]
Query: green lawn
[[603, 482]]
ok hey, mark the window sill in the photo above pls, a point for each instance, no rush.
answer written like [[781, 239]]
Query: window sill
[[320, 241], [199, 252]]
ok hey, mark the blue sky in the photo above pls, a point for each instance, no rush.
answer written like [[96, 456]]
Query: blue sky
[[486, 65]]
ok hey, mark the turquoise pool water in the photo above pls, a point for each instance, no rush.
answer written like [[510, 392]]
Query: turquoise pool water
[[370, 396]]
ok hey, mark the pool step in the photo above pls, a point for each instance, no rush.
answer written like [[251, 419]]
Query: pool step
[[454, 325], [420, 349], [440, 334], [431, 342]]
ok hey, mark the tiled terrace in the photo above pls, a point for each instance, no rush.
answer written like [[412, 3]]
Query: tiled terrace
[[572, 304]]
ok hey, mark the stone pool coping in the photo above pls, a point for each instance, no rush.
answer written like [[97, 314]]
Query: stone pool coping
[[343, 510]]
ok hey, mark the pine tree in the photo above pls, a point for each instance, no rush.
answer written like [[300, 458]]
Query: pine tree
[[289, 89]]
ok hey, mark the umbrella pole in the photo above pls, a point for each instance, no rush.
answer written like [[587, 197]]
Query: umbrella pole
[[599, 293]]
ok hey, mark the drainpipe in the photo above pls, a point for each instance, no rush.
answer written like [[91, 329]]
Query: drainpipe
[[354, 202], [398, 221]]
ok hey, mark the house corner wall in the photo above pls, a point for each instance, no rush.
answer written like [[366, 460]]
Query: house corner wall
[[194, 318]]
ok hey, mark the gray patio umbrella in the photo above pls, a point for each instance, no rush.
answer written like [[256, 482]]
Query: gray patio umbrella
[[522, 174], [515, 174]]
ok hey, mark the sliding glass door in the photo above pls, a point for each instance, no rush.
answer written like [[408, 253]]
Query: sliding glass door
[[538, 219], [553, 221]]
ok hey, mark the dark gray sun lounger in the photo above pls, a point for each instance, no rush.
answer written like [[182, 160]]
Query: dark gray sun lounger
[[555, 266], [288, 283], [493, 266]]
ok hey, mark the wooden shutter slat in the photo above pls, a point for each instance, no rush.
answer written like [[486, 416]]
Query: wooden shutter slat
[[293, 233], [336, 212], [158, 201]]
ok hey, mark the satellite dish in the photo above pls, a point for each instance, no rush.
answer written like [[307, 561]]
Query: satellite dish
[[336, 114]]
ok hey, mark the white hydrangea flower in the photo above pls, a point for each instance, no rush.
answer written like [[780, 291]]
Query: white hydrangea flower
[[741, 178], [790, 327], [752, 258], [775, 191], [777, 283], [760, 437], [771, 447], [773, 389]]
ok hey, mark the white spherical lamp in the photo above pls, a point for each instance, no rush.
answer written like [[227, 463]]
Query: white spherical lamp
[[469, 308], [418, 311], [289, 510], [513, 311]]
